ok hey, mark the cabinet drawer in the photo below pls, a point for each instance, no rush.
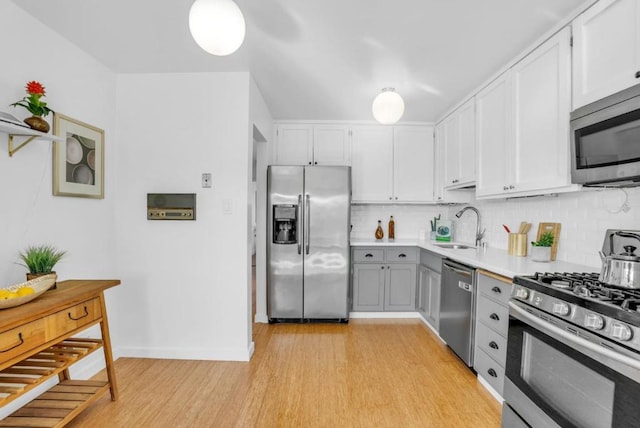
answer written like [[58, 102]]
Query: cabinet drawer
[[490, 371], [431, 260], [401, 254], [72, 318], [491, 343], [494, 286], [21, 339], [493, 315], [368, 255]]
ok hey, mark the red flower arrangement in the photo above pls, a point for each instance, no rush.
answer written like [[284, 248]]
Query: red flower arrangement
[[32, 102]]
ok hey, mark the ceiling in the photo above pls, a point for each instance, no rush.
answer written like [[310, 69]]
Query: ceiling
[[321, 60]]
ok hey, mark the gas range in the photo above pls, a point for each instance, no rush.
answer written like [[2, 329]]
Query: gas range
[[582, 300]]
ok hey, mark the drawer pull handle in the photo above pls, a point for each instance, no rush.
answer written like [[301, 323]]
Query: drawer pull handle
[[493, 345], [494, 317], [492, 373], [368, 255], [496, 290], [637, 74], [402, 255], [86, 314], [15, 346]]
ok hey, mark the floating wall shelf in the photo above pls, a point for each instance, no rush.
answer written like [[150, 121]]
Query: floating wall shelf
[[16, 131]]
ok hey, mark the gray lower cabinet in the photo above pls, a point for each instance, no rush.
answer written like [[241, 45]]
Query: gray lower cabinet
[[492, 322], [428, 297], [384, 279]]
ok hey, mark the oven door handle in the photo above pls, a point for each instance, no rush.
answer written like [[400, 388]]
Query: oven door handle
[[572, 338]]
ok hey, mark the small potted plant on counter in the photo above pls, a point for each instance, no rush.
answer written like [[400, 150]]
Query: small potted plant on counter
[[40, 260], [541, 249]]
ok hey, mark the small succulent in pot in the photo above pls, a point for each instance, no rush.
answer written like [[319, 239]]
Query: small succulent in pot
[[40, 259], [546, 240]]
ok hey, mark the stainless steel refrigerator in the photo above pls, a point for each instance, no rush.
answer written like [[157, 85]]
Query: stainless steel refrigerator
[[309, 215]]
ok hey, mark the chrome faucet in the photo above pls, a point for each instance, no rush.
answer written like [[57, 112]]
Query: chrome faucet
[[479, 235]]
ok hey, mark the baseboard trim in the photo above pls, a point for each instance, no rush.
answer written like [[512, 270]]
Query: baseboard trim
[[356, 315], [261, 318], [491, 390], [212, 354], [432, 328]]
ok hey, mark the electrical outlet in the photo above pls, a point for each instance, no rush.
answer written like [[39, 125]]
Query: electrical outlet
[[206, 179]]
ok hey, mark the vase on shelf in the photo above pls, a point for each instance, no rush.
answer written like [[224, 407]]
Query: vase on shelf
[[37, 123], [31, 276]]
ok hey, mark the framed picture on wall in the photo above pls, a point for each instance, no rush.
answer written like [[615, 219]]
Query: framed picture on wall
[[78, 161]]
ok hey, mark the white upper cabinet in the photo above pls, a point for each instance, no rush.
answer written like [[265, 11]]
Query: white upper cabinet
[[331, 145], [606, 50], [392, 164], [493, 119], [541, 90], [294, 145], [459, 131], [413, 160], [372, 163], [305, 144], [522, 122]]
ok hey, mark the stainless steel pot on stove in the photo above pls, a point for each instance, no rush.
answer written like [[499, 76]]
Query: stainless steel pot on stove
[[621, 270]]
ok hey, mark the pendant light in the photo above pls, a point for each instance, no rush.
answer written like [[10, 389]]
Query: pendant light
[[388, 107], [217, 26]]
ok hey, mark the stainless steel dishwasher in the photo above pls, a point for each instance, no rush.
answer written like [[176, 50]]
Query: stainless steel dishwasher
[[457, 308]]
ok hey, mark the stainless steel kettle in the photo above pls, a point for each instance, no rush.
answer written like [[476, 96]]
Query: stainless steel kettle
[[621, 270]]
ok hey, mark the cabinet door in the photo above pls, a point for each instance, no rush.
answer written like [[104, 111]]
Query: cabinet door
[[451, 142], [467, 143], [541, 105], [493, 145], [372, 164], [434, 299], [422, 299], [331, 145], [606, 50], [439, 167], [413, 162], [294, 145], [368, 287], [400, 290]]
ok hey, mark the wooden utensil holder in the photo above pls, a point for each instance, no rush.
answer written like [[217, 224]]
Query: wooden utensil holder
[[517, 245]]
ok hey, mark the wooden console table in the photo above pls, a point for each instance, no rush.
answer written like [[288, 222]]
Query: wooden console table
[[36, 344]]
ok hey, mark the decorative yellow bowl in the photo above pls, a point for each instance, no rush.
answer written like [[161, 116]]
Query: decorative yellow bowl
[[39, 285]]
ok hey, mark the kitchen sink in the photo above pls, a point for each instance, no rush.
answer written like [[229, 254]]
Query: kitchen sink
[[454, 246]]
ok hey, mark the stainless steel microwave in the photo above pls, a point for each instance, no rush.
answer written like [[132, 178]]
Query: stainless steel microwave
[[605, 141]]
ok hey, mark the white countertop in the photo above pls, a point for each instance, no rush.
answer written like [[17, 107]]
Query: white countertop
[[491, 259]]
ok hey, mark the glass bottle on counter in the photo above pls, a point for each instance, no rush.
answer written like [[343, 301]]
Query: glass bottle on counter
[[392, 229], [379, 231]]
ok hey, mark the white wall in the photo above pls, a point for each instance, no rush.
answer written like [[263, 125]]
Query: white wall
[[79, 87], [187, 290], [263, 122]]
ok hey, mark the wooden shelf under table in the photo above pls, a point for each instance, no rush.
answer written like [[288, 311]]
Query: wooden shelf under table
[[37, 345]]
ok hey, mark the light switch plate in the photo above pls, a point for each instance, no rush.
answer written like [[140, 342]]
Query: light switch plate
[[206, 179]]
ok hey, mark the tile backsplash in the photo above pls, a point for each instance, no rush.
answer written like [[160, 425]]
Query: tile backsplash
[[584, 215]]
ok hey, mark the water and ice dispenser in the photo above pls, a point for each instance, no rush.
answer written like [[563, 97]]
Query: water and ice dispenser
[[285, 221]]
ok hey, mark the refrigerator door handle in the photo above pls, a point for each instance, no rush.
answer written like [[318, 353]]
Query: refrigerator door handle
[[299, 226], [307, 219]]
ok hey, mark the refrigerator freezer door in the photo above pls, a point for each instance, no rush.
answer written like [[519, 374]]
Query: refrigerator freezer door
[[326, 242], [284, 270]]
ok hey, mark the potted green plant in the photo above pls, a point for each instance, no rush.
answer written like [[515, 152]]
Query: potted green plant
[[36, 106], [40, 259], [541, 249]]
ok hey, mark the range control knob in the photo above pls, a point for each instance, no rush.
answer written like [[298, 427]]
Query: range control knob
[[522, 293], [593, 321], [620, 331], [560, 308]]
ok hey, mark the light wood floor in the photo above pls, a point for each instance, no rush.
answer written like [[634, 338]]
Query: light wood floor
[[369, 373]]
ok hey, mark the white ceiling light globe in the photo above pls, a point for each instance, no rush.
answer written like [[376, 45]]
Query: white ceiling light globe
[[388, 107], [217, 26]]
